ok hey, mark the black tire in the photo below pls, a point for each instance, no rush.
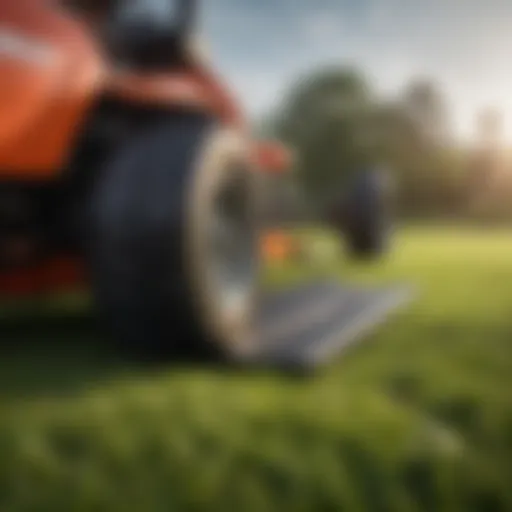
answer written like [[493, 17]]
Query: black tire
[[367, 216], [148, 250]]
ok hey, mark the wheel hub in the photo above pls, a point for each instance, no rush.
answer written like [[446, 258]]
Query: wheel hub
[[233, 245]]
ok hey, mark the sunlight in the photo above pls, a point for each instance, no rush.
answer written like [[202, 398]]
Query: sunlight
[[469, 123]]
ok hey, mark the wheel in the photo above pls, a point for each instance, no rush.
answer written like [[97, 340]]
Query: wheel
[[367, 222], [173, 246]]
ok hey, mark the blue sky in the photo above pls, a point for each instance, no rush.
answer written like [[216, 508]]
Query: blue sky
[[465, 45]]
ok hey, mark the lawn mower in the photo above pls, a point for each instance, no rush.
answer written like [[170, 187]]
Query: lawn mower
[[127, 168]]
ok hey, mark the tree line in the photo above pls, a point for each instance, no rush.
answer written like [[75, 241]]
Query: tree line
[[337, 124]]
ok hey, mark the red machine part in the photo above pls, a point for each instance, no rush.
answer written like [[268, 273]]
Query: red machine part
[[273, 157], [53, 276]]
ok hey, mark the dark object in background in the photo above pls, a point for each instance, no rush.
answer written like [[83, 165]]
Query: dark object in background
[[363, 215]]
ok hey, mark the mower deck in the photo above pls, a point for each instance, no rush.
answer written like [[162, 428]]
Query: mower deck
[[307, 326]]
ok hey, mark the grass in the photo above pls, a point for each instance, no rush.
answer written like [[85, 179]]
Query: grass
[[419, 418]]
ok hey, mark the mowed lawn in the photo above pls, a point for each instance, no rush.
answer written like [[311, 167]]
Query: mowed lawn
[[418, 417]]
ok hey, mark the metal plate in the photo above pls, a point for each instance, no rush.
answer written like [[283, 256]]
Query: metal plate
[[310, 324]]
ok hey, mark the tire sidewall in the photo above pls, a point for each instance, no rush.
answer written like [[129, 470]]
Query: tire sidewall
[[223, 151]]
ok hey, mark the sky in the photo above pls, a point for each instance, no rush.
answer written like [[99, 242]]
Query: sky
[[264, 46]]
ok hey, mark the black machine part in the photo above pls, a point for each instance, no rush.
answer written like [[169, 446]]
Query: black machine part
[[363, 214], [149, 34]]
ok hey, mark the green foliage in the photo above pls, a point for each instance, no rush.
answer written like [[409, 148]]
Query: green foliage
[[417, 419], [327, 120], [337, 124]]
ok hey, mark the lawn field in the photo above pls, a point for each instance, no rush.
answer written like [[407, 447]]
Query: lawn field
[[417, 418]]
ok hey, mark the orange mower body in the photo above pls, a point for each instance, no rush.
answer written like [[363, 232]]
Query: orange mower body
[[59, 90]]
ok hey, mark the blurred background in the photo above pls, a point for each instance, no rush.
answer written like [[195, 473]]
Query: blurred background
[[421, 86]]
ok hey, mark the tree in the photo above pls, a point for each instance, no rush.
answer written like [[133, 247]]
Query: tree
[[415, 141], [327, 120], [426, 106], [337, 125]]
